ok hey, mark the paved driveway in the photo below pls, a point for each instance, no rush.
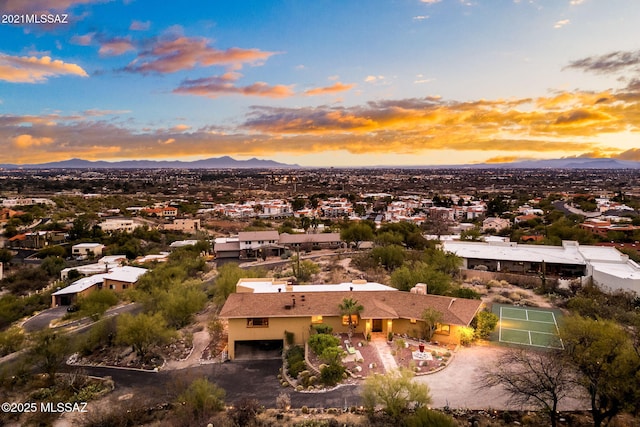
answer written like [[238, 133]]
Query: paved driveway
[[42, 319], [456, 386]]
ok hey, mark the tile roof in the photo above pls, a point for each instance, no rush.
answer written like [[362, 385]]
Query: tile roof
[[377, 305]]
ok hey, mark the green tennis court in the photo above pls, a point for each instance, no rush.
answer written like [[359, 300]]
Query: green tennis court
[[527, 326]]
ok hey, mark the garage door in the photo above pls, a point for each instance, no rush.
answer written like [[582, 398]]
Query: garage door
[[259, 350]]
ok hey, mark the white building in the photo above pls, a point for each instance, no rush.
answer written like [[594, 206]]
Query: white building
[[119, 224], [87, 250]]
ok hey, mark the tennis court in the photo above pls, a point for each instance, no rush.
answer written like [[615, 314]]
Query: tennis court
[[528, 326]]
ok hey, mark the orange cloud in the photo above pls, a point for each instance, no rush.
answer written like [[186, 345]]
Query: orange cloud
[[28, 141], [334, 88], [185, 53], [35, 70], [503, 159]]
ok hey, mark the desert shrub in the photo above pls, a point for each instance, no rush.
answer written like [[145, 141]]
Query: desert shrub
[[332, 374], [244, 412], [428, 417], [295, 361], [320, 342]]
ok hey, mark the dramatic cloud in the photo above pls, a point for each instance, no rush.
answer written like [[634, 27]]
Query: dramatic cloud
[[28, 141], [35, 70], [216, 86], [184, 53], [503, 159], [334, 88], [140, 26], [570, 123], [613, 62]]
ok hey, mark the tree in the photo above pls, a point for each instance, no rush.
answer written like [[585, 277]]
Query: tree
[[227, 278], [357, 233], [180, 303], [405, 277], [430, 319], [485, 322], [390, 257], [49, 351], [350, 307], [5, 256], [97, 302], [303, 270], [396, 392], [473, 234], [142, 332], [608, 365], [543, 379]]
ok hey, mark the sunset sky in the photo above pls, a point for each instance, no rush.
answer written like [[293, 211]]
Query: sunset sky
[[320, 83]]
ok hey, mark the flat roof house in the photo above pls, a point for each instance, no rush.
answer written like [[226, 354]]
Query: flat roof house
[[118, 279]]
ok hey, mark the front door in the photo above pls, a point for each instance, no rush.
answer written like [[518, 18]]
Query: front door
[[377, 325]]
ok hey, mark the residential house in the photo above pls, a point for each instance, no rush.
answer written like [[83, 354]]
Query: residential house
[[184, 225], [310, 241], [110, 225], [252, 243], [118, 279], [495, 223], [257, 319], [605, 267], [87, 250]]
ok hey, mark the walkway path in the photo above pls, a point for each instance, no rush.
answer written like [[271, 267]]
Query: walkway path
[[201, 340], [384, 351]]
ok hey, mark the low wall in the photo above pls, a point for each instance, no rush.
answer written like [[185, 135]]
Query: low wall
[[522, 280]]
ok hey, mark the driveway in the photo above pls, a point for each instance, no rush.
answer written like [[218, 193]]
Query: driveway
[[41, 320], [240, 379], [456, 386]]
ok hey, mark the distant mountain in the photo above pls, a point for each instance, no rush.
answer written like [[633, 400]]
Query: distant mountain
[[569, 163], [225, 162]]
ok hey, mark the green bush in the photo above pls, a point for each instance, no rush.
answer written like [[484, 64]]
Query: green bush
[[320, 342], [332, 374], [323, 329]]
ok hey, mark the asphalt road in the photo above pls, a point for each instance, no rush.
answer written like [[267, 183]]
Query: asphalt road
[[240, 379], [42, 319]]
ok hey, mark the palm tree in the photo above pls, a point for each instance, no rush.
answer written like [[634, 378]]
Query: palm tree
[[348, 308]]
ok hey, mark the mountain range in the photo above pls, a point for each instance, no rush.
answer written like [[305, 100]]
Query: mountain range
[[227, 162]]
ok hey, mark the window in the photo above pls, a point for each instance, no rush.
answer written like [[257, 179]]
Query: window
[[112, 286], [124, 287], [443, 329], [258, 322], [316, 319], [354, 320]]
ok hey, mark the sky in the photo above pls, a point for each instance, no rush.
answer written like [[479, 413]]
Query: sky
[[319, 83]]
